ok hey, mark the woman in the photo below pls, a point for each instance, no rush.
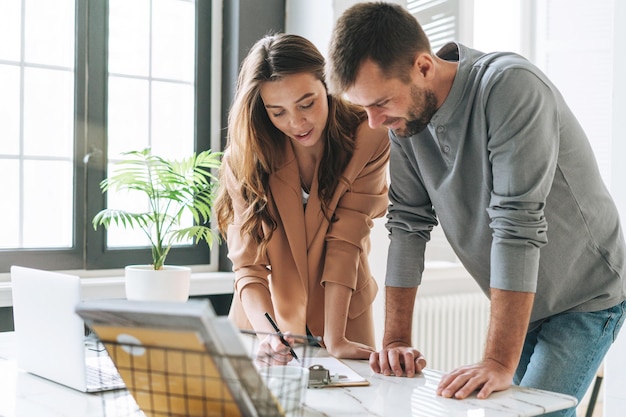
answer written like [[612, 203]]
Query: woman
[[301, 180]]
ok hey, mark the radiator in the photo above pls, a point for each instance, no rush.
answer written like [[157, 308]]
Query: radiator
[[450, 330]]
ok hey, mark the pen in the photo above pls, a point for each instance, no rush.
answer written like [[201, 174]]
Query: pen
[[282, 339]]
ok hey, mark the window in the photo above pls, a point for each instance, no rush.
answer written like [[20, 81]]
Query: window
[[81, 82], [439, 19]]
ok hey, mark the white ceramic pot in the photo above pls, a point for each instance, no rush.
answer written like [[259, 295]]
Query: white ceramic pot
[[168, 284]]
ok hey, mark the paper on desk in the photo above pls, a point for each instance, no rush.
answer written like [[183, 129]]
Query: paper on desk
[[341, 375]]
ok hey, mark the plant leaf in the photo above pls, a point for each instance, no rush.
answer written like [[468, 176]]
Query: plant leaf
[[171, 188]]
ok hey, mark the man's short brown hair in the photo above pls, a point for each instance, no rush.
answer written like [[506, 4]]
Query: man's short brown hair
[[386, 33]]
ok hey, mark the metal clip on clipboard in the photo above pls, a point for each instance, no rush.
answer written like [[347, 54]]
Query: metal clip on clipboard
[[319, 377]]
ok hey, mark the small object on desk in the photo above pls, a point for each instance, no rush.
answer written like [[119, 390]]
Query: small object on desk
[[280, 334], [319, 377], [332, 372]]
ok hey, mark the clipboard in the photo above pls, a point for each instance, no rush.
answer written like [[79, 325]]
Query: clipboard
[[329, 372]]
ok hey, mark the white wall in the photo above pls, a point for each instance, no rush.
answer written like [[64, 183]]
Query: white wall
[[314, 23], [615, 363]]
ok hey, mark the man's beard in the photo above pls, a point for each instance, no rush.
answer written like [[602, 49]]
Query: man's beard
[[423, 107]]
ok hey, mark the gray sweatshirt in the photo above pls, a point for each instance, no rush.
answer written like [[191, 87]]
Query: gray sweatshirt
[[509, 173]]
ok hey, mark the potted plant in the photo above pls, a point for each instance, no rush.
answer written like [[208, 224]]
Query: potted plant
[[172, 189]]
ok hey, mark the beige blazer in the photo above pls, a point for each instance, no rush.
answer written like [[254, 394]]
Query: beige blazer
[[306, 250]]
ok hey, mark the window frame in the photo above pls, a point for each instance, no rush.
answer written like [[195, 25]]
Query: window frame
[[89, 251]]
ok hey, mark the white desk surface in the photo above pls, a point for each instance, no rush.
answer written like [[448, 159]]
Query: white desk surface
[[26, 395]]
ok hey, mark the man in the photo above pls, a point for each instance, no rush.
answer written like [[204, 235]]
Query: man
[[485, 145]]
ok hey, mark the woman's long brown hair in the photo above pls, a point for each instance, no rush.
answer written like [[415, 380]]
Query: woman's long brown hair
[[256, 147]]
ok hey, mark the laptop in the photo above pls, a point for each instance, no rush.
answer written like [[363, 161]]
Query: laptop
[[51, 338]]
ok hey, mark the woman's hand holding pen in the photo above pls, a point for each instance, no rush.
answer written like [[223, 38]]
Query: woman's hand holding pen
[[281, 337], [272, 351]]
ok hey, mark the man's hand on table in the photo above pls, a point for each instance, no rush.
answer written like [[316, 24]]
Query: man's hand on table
[[398, 360], [485, 377]]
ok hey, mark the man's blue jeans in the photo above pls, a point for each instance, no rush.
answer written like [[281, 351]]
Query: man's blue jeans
[[563, 354]]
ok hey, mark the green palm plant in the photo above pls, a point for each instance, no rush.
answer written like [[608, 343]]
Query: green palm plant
[[172, 188]]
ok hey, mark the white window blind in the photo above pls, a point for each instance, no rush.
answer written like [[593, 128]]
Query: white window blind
[[439, 19]]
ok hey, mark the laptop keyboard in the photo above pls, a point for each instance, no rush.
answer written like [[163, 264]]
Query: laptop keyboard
[[102, 374]]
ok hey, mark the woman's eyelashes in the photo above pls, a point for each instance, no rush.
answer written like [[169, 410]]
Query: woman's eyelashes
[[302, 106]]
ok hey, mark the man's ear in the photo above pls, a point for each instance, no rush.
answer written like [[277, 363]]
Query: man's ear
[[423, 65]]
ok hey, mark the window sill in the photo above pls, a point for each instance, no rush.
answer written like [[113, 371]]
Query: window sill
[[202, 283]]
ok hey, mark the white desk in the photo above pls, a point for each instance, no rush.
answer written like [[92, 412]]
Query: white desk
[[25, 395]]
